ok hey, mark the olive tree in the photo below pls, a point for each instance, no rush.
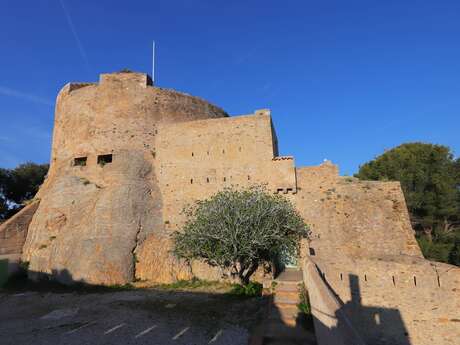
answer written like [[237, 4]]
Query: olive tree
[[238, 229]]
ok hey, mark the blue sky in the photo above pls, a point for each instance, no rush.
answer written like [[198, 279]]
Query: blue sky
[[345, 80]]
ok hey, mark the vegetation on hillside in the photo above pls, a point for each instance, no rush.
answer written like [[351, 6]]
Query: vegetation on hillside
[[240, 229], [430, 179], [19, 185]]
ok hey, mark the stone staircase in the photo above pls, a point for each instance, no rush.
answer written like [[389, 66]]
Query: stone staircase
[[284, 321]]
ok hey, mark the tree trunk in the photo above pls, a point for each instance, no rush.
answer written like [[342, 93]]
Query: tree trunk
[[246, 272]]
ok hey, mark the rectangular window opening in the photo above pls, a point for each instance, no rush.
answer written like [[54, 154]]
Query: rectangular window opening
[[104, 159], [80, 161]]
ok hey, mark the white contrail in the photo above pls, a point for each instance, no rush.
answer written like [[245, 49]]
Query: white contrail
[[75, 35], [6, 91]]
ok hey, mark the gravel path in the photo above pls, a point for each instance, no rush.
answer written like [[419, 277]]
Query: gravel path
[[127, 317]]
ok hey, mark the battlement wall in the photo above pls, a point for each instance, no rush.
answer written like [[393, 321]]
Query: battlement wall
[[398, 300], [122, 111], [199, 158], [353, 217]]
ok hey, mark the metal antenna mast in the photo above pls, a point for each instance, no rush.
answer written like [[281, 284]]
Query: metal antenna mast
[[153, 63]]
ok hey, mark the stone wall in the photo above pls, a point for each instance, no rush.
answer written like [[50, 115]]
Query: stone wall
[[195, 160], [199, 158], [352, 217], [398, 300], [333, 326], [13, 232]]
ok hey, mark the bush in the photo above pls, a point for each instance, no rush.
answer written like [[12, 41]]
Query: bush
[[252, 289], [240, 229]]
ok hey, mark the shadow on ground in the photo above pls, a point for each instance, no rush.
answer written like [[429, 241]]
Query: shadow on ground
[[48, 312]]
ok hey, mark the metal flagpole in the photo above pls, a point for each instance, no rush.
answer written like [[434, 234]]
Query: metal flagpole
[[153, 63]]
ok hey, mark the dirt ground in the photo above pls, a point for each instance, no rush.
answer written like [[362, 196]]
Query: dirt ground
[[135, 316]]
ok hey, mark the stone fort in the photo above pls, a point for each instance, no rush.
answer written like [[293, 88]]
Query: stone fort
[[127, 157]]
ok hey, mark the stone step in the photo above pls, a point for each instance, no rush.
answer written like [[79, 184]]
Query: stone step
[[287, 315], [280, 300], [287, 294], [290, 275], [289, 286], [276, 331]]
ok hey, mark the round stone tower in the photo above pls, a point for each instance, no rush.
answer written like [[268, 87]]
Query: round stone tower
[[101, 197]]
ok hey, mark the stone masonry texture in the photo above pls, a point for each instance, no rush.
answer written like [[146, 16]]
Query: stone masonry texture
[[127, 157]]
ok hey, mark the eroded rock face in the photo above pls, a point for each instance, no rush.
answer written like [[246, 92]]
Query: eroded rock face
[[87, 229], [157, 264], [101, 198]]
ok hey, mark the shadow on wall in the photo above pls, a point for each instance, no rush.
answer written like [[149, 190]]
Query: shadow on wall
[[380, 325], [371, 325], [22, 279]]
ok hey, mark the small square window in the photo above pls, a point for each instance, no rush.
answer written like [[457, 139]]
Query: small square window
[[104, 159], [80, 161]]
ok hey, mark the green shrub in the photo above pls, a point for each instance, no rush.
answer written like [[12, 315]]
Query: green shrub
[[252, 289], [239, 229]]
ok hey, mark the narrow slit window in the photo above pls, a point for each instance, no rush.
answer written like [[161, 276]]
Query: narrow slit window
[[192, 154], [191, 181], [104, 159], [207, 179], [225, 179], [80, 161]]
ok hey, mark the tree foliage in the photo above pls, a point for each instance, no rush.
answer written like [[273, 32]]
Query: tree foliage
[[240, 229], [430, 179], [18, 185]]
